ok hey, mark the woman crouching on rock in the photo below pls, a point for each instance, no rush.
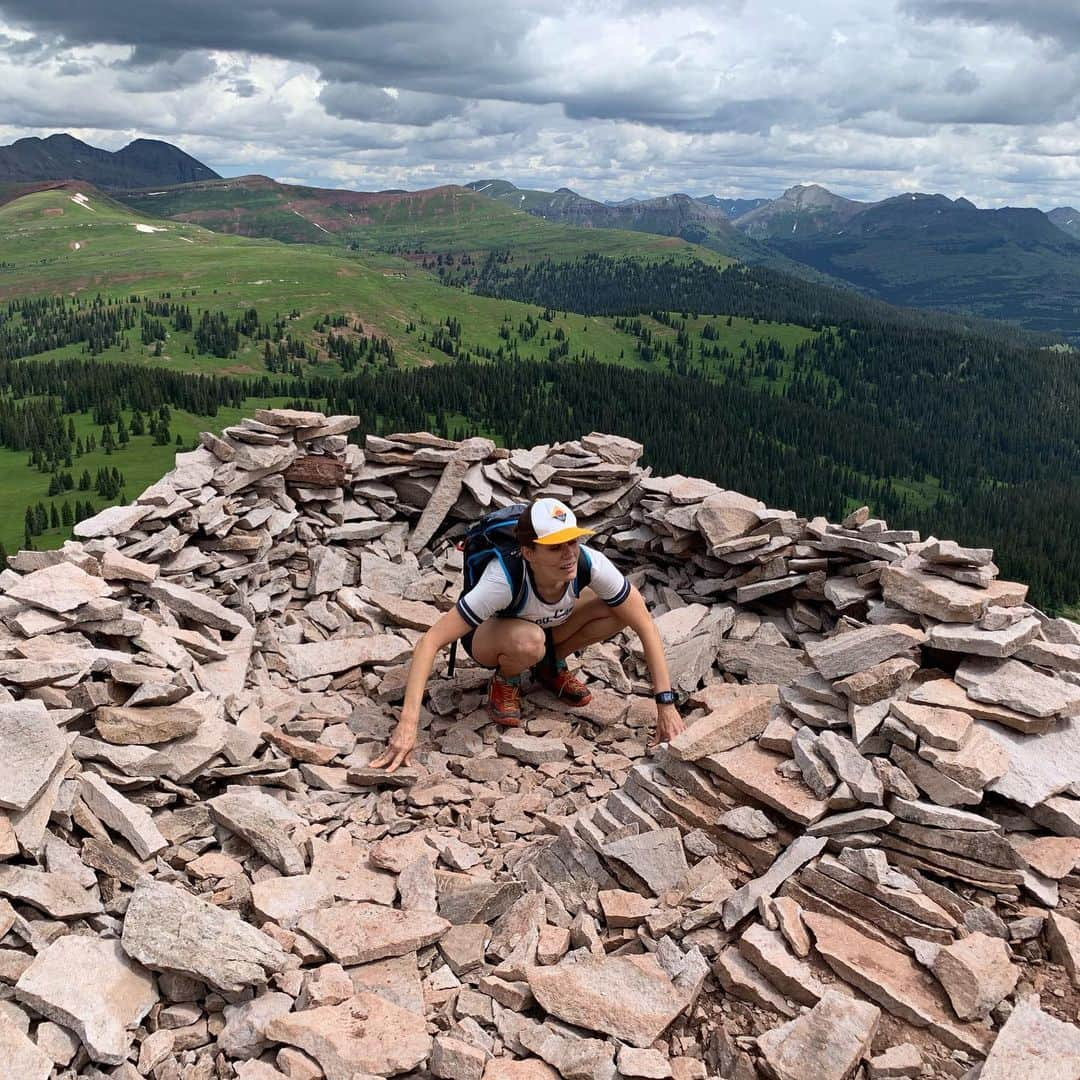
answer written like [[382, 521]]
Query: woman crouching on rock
[[533, 616]]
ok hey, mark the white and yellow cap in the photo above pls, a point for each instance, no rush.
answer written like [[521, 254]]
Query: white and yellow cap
[[554, 522]]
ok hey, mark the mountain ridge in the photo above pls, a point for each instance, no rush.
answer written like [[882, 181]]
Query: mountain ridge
[[141, 163]]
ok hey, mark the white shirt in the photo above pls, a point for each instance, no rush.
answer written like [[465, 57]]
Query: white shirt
[[492, 593]]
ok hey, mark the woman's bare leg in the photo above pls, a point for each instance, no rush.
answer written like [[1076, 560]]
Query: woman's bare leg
[[510, 645]]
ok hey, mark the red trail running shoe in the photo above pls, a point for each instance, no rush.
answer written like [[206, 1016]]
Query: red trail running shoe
[[562, 683], [504, 700]]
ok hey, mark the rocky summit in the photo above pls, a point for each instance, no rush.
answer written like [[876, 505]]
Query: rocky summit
[[860, 859]]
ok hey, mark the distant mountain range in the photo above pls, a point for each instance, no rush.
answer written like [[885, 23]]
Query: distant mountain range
[[1066, 218], [699, 221], [733, 207], [142, 163], [915, 249]]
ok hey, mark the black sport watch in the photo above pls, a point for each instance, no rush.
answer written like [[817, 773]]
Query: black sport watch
[[665, 697]]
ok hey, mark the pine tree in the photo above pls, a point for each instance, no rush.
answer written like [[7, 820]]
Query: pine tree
[[65, 514], [54, 516]]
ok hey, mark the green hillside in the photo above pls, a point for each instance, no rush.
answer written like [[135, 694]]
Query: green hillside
[[439, 220], [74, 242], [804, 396]]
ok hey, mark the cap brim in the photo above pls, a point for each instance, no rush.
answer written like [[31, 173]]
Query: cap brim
[[563, 535]]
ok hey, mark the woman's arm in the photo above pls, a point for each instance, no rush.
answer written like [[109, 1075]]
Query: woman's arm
[[450, 627], [638, 619]]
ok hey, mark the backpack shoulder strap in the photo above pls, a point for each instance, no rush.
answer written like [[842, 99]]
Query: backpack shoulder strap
[[514, 565], [584, 572]]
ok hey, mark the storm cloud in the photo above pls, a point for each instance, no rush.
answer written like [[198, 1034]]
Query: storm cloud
[[610, 97]]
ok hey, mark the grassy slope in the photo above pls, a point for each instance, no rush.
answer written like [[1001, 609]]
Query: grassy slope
[[141, 462], [38, 255], [438, 220]]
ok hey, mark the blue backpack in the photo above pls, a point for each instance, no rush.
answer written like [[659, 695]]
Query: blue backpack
[[493, 537]]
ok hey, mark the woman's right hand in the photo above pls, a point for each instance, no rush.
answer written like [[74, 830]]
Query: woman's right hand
[[402, 742]]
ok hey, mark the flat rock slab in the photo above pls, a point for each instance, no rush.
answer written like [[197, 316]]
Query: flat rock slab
[[857, 650], [1014, 684], [851, 767], [184, 758], [981, 760], [242, 1036], [730, 724], [284, 900], [147, 726], [1033, 1046], [196, 606], [940, 817], [530, 749], [792, 976], [20, 1059], [1063, 938], [892, 979], [319, 658], [876, 682], [1040, 766], [1052, 856], [791, 859], [89, 985], [958, 637], [167, 929], [357, 933], [976, 973], [529, 1069], [31, 746], [365, 1035], [112, 521], [656, 857], [117, 567], [58, 895], [262, 821], [927, 594], [132, 821], [827, 1043], [629, 997], [945, 693], [59, 588], [753, 771], [946, 729]]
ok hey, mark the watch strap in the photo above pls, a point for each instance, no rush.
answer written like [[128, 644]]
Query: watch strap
[[665, 697]]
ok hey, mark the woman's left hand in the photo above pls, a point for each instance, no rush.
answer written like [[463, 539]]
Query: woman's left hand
[[668, 724]]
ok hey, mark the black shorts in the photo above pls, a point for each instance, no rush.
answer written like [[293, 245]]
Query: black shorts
[[549, 646]]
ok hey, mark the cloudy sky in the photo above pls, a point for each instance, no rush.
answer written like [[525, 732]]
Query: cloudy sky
[[627, 97]]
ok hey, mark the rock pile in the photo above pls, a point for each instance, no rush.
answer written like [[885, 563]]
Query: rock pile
[[860, 858]]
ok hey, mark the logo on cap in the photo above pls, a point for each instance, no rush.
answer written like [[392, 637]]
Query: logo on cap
[[558, 513]]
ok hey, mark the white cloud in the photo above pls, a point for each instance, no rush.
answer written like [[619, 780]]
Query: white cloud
[[611, 97]]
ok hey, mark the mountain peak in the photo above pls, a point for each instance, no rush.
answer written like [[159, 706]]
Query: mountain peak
[[813, 195], [142, 163]]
